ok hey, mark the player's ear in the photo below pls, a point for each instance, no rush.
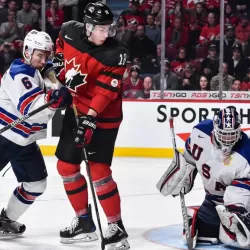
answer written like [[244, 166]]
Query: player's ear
[[27, 54]]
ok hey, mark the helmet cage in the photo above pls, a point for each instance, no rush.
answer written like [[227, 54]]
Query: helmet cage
[[226, 137]]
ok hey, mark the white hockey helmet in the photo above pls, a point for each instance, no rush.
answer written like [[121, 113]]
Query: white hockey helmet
[[37, 40]]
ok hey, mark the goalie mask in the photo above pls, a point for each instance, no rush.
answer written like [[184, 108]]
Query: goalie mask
[[227, 132]]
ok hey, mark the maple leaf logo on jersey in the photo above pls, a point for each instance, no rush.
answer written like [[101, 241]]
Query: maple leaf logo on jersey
[[74, 77]]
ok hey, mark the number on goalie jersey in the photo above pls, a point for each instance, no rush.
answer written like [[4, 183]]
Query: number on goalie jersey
[[220, 151]]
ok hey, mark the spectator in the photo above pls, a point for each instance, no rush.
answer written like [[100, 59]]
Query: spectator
[[27, 15], [236, 85], [55, 17], [176, 36], [245, 86], [133, 84], [4, 12], [191, 75], [133, 16], [70, 9], [171, 81], [230, 17], [12, 29], [229, 42], [242, 30], [242, 8], [212, 5], [156, 12], [198, 18], [187, 85], [7, 55], [141, 45], [211, 63], [210, 32], [156, 9], [204, 84], [227, 80], [153, 32], [181, 13], [36, 5], [146, 6], [178, 64], [237, 65], [145, 93]]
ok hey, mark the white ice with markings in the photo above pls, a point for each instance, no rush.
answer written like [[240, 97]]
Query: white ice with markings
[[143, 207]]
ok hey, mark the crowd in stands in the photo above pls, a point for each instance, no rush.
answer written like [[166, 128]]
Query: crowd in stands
[[192, 38], [18, 17]]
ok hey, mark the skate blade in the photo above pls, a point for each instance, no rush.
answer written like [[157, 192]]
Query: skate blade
[[121, 245], [9, 235], [80, 238]]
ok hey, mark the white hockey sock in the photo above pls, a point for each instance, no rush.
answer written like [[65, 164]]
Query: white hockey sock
[[22, 198]]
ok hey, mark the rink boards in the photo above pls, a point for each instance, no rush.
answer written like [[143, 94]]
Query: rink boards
[[145, 129]]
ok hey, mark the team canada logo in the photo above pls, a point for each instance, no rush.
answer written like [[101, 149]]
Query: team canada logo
[[74, 77]]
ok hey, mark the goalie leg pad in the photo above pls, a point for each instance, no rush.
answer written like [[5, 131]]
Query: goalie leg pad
[[205, 233], [234, 228]]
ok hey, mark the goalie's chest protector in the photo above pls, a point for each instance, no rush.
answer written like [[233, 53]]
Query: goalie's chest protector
[[216, 173]]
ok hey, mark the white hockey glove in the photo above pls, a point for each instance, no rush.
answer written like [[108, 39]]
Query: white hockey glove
[[179, 176], [237, 225]]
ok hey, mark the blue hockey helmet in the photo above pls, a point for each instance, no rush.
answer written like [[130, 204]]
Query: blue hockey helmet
[[227, 124]]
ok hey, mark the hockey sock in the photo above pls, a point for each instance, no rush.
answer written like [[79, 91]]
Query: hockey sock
[[23, 197], [106, 190], [75, 186]]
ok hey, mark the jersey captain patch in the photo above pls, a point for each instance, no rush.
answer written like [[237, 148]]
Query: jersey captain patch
[[74, 77]]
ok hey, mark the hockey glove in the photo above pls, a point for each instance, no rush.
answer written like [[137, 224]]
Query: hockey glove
[[85, 130], [62, 96], [58, 65], [179, 176]]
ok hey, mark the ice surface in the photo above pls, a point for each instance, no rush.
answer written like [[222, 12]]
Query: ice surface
[[143, 208]]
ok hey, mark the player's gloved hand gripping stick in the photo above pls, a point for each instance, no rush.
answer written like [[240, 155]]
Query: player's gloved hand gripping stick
[[58, 98], [90, 180]]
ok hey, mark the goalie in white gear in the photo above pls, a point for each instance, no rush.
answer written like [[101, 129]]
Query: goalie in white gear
[[27, 85], [219, 151]]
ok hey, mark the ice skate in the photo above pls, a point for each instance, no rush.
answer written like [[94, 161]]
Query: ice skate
[[82, 229], [116, 237], [9, 227]]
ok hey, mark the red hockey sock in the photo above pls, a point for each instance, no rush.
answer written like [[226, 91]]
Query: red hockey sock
[[75, 186], [106, 190]]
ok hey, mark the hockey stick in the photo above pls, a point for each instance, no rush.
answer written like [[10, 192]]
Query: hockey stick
[[27, 116], [91, 185], [190, 242]]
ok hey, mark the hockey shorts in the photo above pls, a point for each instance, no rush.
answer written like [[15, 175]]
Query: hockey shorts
[[100, 149], [27, 161]]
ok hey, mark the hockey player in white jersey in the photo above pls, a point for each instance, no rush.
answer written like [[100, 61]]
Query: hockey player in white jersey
[[220, 152], [23, 89]]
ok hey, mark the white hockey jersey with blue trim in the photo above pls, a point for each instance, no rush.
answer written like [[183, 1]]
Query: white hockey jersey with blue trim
[[225, 180], [22, 90]]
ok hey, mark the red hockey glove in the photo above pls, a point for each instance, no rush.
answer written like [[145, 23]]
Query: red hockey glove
[[85, 130], [62, 96]]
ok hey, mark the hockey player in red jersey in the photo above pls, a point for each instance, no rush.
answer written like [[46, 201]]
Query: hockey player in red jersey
[[94, 64]]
